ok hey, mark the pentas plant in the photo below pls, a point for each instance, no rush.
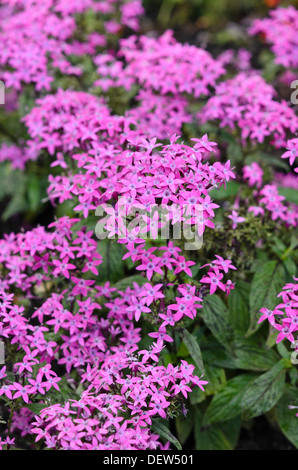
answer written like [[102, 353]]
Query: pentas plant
[[160, 115], [253, 173], [246, 103], [292, 153], [176, 166], [62, 326], [280, 30], [175, 68], [102, 141], [267, 198], [29, 53], [61, 125], [183, 178], [285, 180], [177, 71], [38, 38], [17, 156], [85, 343], [284, 317], [59, 261]]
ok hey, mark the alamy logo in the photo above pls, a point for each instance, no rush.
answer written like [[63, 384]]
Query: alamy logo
[[294, 95], [2, 92], [294, 355], [129, 222], [2, 353]]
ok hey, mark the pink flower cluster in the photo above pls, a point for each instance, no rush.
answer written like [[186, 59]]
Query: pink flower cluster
[[176, 70], [61, 123], [280, 30], [87, 330], [286, 180], [284, 317], [101, 350], [292, 152], [246, 102], [253, 173], [268, 198], [183, 175], [17, 156], [215, 275], [37, 37], [97, 420]]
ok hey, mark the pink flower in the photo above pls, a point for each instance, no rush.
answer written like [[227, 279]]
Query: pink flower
[[151, 293], [269, 315], [285, 332], [236, 219], [159, 408], [22, 391], [150, 266], [254, 174], [292, 151], [161, 336], [137, 307], [214, 279], [62, 267], [183, 265]]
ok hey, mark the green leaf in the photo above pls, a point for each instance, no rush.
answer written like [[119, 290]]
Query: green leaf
[[293, 374], [112, 267], [219, 357], [278, 246], [265, 391], [36, 408], [283, 351], [197, 396], [194, 349], [290, 269], [216, 436], [216, 380], [250, 354], [182, 351], [184, 426], [272, 337], [286, 418], [266, 284], [33, 192], [216, 317], [290, 194], [226, 404], [16, 205], [128, 282], [13, 184], [231, 190], [195, 269], [164, 432], [259, 156], [239, 307], [66, 208], [11, 181]]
